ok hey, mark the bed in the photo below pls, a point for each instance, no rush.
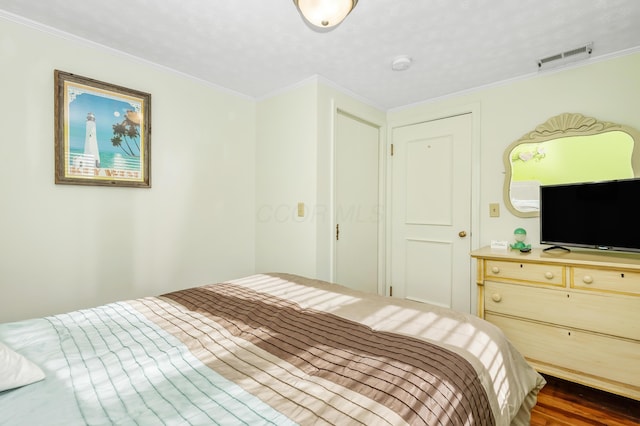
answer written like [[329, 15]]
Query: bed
[[275, 349]]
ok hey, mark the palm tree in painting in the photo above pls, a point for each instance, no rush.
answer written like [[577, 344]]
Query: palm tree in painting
[[128, 132]]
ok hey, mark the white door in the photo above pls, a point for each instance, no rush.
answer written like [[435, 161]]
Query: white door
[[431, 212], [356, 213]]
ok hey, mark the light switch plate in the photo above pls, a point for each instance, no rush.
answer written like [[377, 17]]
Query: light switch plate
[[494, 210]]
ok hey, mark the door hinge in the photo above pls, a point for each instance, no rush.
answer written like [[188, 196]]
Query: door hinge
[[337, 231], [392, 150]]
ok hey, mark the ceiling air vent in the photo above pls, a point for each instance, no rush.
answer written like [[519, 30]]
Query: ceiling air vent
[[577, 54]]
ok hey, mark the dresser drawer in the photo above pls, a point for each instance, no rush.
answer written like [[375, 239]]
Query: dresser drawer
[[533, 273], [620, 281], [602, 356], [573, 315], [618, 315]]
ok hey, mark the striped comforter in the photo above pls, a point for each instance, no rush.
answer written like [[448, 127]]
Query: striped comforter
[[268, 349]]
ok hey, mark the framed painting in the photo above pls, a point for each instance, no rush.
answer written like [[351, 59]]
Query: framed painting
[[102, 133]]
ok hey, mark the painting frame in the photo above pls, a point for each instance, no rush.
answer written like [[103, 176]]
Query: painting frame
[[102, 133]]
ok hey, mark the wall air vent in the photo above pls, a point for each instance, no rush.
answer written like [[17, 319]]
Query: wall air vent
[[577, 54]]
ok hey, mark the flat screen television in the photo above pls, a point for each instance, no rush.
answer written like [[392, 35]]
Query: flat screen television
[[598, 215]]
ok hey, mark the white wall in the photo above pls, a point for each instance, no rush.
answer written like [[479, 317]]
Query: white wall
[[286, 175], [607, 90], [64, 247], [227, 173], [294, 164], [295, 151]]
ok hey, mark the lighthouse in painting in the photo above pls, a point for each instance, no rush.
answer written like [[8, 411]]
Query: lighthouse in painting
[[91, 153]]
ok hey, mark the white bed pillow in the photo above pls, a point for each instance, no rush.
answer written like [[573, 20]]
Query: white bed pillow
[[16, 370]]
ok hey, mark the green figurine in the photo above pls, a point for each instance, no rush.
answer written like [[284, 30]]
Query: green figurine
[[520, 235]]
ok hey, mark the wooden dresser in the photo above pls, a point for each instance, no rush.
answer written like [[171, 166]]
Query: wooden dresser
[[572, 315]]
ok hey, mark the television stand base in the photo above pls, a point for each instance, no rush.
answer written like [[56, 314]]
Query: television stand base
[[556, 247]]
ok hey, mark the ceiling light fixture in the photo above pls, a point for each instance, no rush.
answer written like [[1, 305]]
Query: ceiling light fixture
[[325, 13]]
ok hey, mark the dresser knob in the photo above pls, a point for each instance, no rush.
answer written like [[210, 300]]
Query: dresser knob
[[495, 269], [496, 297], [548, 275], [587, 279]]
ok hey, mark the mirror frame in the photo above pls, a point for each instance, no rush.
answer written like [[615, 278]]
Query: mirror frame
[[561, 126]]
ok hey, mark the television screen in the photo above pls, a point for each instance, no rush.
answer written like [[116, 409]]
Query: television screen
[[600, 215]]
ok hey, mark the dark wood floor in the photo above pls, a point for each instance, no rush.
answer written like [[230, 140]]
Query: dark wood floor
[[564, 403]]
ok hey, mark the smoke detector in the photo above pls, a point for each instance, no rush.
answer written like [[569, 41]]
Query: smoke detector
[[401, 63], [577, 54]]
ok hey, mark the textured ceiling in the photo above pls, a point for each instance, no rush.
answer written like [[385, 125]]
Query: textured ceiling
[[258, 47]]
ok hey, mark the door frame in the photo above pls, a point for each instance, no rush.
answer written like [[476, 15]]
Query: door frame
[[382, 191], [417, 117]]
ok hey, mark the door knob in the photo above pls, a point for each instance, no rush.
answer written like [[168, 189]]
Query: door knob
[[462, 234]]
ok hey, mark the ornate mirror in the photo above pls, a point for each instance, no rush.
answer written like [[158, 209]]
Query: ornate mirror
[[567, 148]]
